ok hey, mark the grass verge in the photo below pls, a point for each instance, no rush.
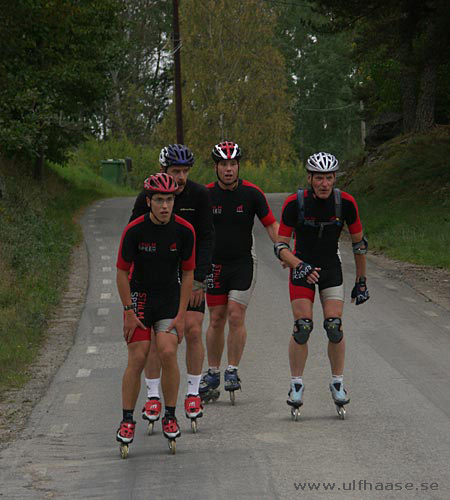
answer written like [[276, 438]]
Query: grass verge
[[37, 234]]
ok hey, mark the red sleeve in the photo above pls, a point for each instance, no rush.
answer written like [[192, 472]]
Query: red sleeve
[[188, 257], [126, 250], [263, 210], [352, 219], [285, 222]]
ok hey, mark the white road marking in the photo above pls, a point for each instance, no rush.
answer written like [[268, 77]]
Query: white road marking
[[93, 349], [83, 372], [409, 299], [105, 296], [99, 329], [391, 287], [91, 225], [106, 269], [55, 430], [98, 239], [102, 248], [103, 311], [107, 282], [106, 257], [95, 232], [431, 314], [72, 399]]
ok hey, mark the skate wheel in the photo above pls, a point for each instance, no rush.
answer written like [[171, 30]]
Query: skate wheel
[[295, 413], [172, 446], [232, 398], [341, 412], [123, 450], [194, 425], [150, 428]]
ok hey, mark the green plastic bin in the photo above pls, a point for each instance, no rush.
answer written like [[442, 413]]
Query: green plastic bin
[[113, 171]]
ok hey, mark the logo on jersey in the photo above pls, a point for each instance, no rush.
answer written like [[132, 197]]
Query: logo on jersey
[[217, 209], [173, 247], [147, 247], [240, 209]]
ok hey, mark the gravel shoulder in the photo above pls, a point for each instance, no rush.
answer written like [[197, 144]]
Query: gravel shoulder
[[16, 405]]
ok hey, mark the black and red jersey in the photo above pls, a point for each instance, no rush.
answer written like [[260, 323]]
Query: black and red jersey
[[156, 252], [193, 205], [315, 244], [233, 216]]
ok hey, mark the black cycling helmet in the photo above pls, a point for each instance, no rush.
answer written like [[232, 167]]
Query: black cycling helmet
[[226, 150], [176, 154]]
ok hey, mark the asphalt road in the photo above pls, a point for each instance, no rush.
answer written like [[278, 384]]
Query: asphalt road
[[394, 443]]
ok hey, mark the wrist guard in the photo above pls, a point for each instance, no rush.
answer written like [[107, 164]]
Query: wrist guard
[[277, 247], [360, 248]]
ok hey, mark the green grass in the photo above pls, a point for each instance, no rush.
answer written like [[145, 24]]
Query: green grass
[[404, 198], [37, 234]]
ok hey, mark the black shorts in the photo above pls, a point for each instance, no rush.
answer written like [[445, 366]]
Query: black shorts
[[231, 281], [200, 308], [330, 285], [151, 308]]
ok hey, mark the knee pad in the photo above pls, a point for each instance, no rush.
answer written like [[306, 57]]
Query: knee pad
[[333, 327], [302, 329]]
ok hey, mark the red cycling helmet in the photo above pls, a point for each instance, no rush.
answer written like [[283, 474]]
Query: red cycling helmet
[[226, 150], [160, 183]]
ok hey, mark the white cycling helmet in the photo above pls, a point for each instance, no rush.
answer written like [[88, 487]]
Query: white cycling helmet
[[322, 162]]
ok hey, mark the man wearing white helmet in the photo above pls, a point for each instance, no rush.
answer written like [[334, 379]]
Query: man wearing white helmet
[[316, 217]]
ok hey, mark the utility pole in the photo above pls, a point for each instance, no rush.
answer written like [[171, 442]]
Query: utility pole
[[177, 60]]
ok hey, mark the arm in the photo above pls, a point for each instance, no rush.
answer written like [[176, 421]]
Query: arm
[[272, 231], [360, 259], [131, 322]]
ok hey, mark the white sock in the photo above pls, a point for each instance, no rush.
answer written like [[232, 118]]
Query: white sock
[[297, 380], [214, 369], [152, 387], [231, 368], [193, 383], [337, 379]]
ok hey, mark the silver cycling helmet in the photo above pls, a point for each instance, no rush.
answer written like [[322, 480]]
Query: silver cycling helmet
[[322, 162]]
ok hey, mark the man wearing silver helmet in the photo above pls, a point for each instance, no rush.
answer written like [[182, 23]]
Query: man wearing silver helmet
[[316, 216]]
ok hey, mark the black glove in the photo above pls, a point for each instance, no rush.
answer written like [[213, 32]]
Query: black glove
[[303, 270], [360, 292]]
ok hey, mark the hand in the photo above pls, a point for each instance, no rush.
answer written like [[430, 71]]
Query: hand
[[360, 293], [178, 324], [305, 270], [130, 323], [197, 297]]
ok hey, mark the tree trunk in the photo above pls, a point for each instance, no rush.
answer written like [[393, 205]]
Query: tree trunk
[[427, 97], [39, 164], [408, 86]]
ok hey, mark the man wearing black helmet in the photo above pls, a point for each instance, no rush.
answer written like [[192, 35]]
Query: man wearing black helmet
[[229, 287], [192, 204], [316, 217]]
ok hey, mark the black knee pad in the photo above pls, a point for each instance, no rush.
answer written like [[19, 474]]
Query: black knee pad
[[333, 327], [302, 329]]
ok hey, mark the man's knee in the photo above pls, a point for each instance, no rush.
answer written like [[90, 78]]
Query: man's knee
[[193, 334], [217, 319], [167, 353], [302, 330], [333, 327]]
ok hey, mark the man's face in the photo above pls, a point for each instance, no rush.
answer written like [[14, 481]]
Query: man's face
[[161, 206], [180, 173], [322, 184], [227, 171]]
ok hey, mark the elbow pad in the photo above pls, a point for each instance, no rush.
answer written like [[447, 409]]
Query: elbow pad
[[277, 247], [360, 248]]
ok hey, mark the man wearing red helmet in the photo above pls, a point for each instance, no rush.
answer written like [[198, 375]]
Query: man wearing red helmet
[[235, 202], [153, 247], [192, 204]]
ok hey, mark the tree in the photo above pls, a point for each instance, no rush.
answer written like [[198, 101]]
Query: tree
[[141, 78], [413, 34], [53, 73], [322, 81], [234, 80]]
